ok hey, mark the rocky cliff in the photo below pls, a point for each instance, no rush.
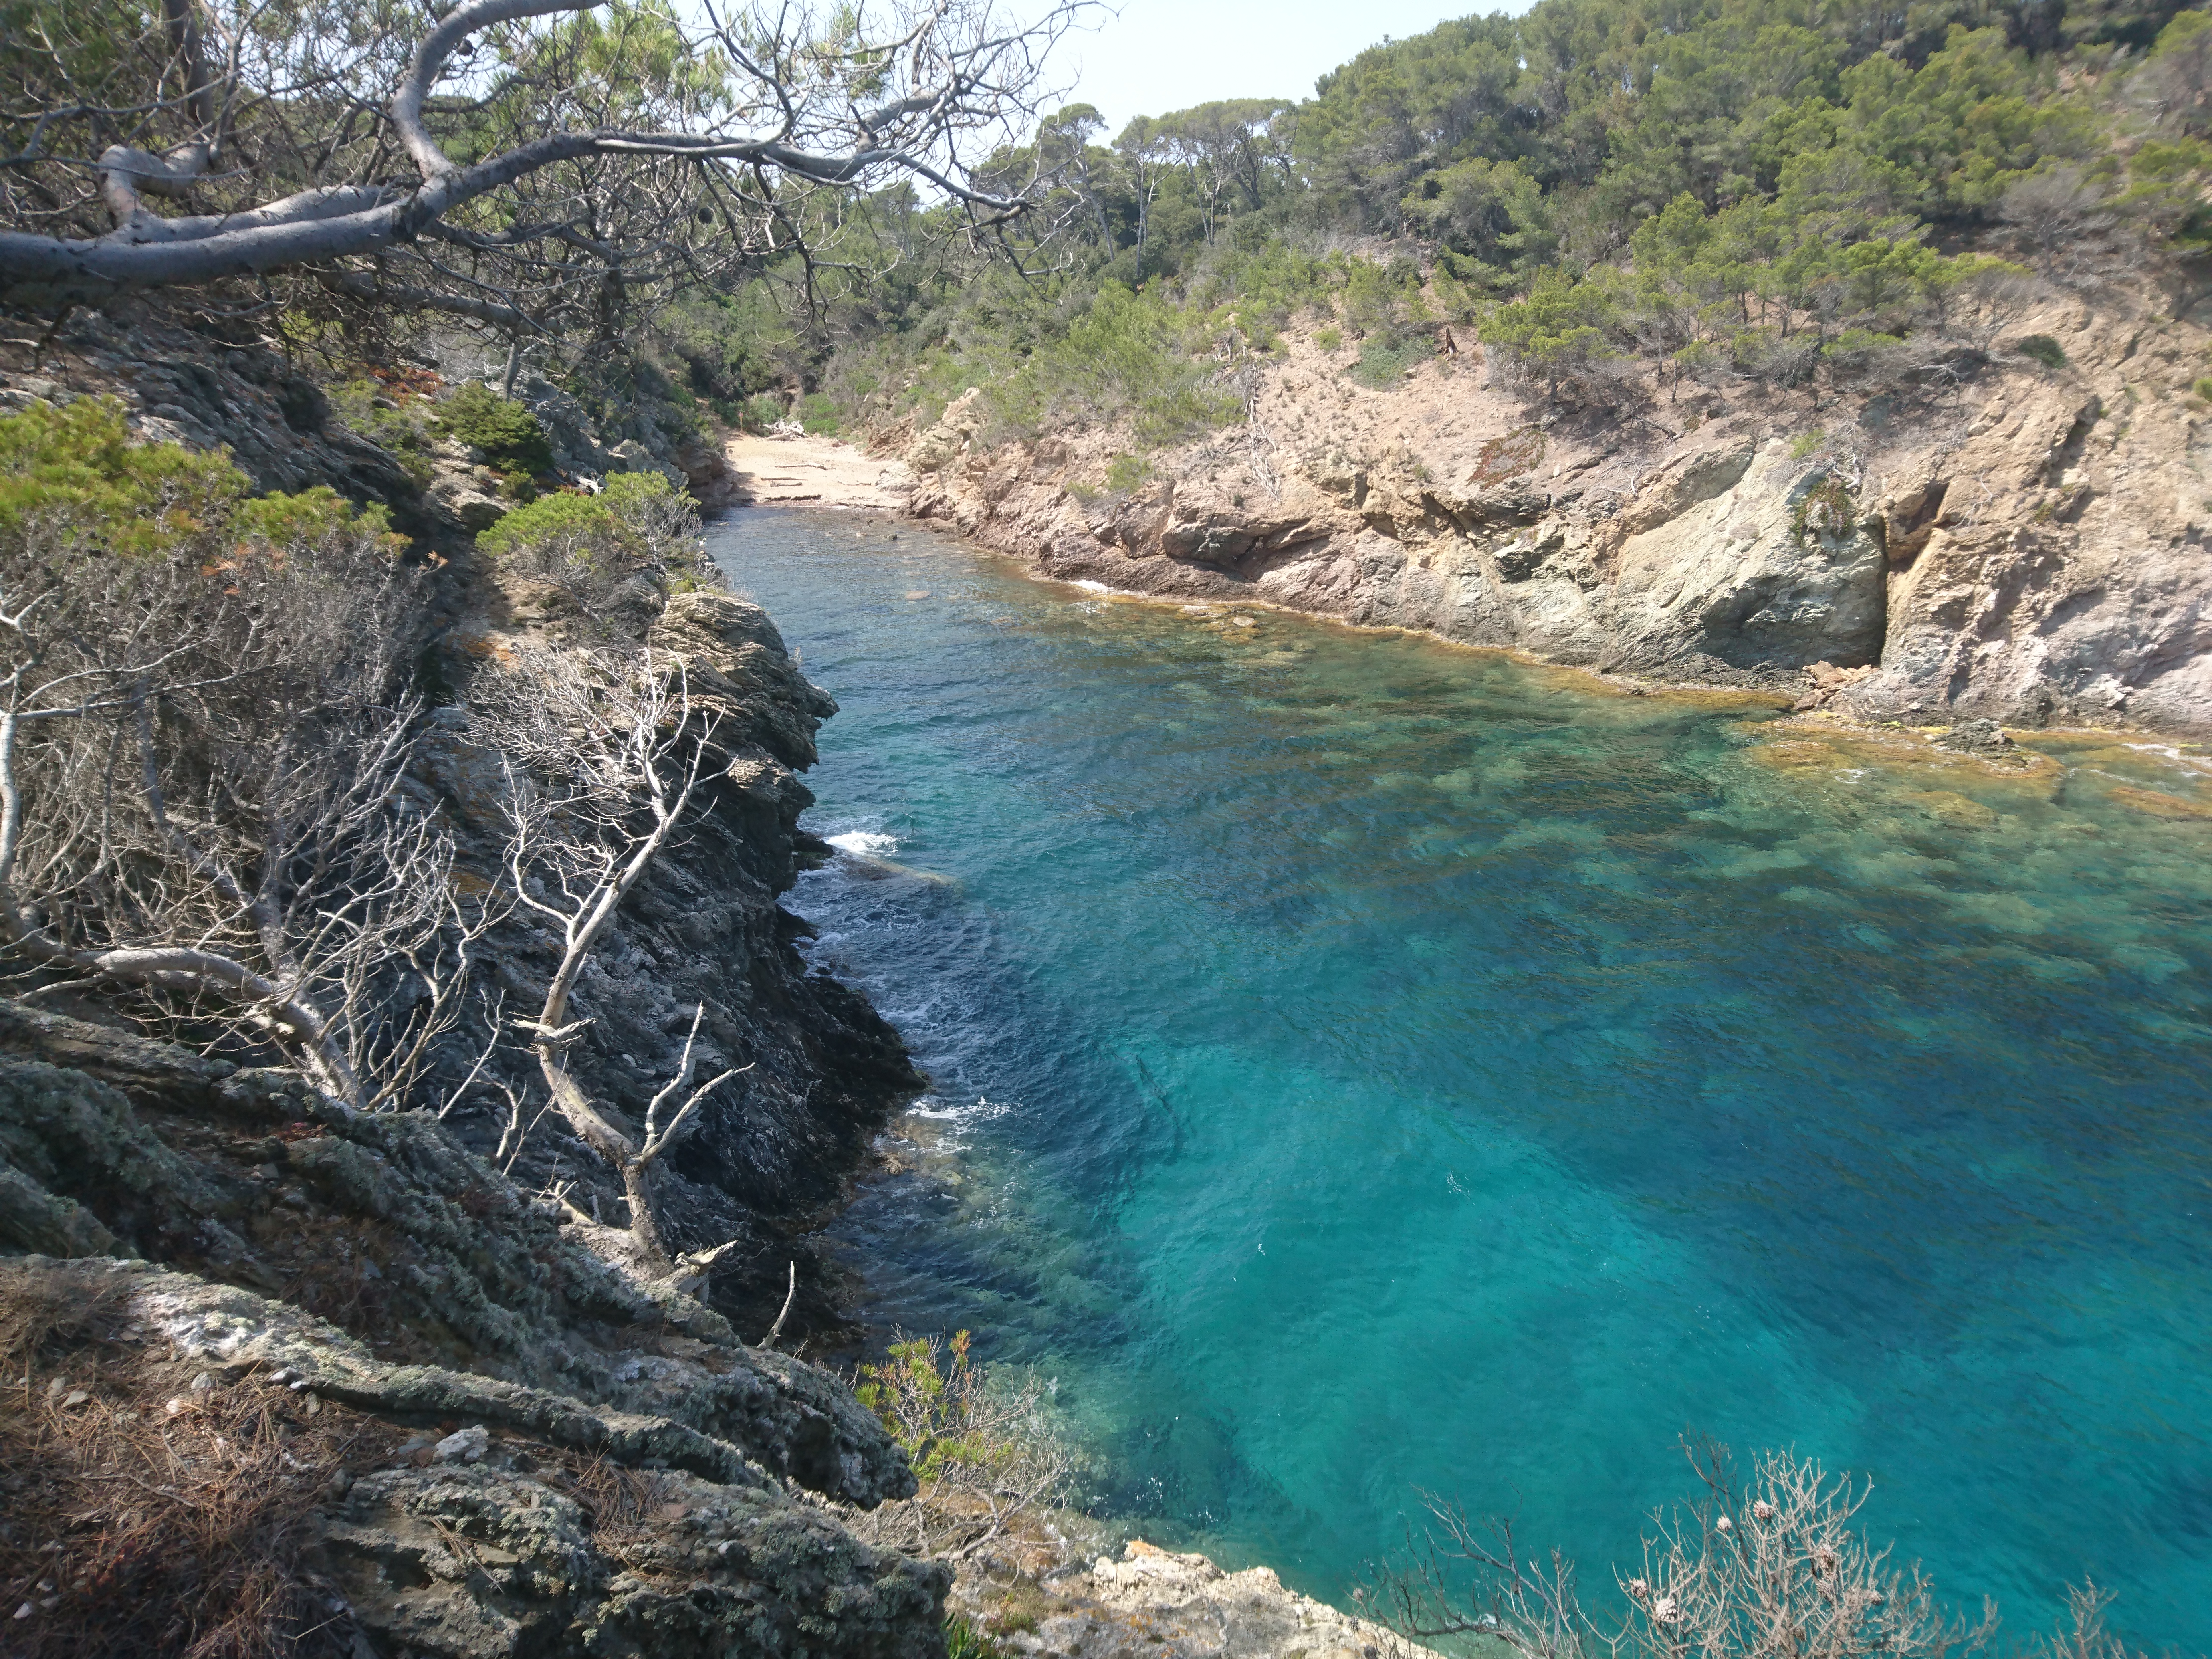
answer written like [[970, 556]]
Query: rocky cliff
[[296, 1379], [251, 1323], [2029, 545], [705, 926]]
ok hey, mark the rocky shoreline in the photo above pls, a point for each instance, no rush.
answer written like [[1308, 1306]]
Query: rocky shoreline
[[392, 1354], [2030, 546]]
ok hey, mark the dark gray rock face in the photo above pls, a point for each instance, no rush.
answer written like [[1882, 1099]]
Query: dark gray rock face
[[704, 928], [248, 1178], [597, 1468], [606, 1469], [547, 1525], [183, 387], [471, 1563]]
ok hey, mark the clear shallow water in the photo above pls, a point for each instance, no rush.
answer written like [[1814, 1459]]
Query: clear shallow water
[[1369, 1065]]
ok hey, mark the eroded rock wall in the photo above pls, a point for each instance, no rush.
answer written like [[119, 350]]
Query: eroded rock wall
[[705, 928], [595, 1467], [2029, 546]]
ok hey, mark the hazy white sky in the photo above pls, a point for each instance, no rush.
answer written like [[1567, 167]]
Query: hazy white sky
[[1160, 55]]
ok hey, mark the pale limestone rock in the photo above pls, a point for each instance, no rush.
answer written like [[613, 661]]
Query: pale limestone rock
[[2042, 553], [1163, 1605], [1743, 576]]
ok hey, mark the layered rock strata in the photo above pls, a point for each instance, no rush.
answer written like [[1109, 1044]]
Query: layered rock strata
[[2030, 546], [314, 1257]]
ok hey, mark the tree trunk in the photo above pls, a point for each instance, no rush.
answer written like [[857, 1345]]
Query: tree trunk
[[642, 1226]]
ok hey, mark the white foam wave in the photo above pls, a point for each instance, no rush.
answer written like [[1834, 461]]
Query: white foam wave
[[952, 1119], [1090, 587], [2167, 751], [956, 1111], [865, 843]]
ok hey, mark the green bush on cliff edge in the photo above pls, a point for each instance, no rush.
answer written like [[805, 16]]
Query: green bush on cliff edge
[[621, 519], [506, 431], [81, 474]]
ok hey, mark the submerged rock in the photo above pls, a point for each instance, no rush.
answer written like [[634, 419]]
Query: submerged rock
[[1976, 737]]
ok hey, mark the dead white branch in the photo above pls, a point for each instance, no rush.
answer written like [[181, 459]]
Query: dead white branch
[[769, 103], [602, 762]]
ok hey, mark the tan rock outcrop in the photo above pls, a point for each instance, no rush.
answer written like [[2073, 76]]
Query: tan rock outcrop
[[2031, 547], [1160, 1605]]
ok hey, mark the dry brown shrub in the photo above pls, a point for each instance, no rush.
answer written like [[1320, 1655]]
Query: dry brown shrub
[[140, 1514]]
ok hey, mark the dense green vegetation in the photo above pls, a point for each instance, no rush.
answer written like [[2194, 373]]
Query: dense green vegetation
[[506, 432], [617, 525], [76, 481], [1615, 196]]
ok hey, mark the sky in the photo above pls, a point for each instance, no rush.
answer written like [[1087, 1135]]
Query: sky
[[1161, 55]]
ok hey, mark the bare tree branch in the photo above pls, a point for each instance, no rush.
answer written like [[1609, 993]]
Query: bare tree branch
[[834, 101]]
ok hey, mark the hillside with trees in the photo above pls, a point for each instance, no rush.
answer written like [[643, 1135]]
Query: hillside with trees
[[1711, 192], [1516, 280]]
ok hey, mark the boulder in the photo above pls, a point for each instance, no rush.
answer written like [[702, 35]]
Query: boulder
[[1774, 572]]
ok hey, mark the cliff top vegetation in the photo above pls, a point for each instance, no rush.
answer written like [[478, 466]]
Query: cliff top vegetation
[[1614, 195]]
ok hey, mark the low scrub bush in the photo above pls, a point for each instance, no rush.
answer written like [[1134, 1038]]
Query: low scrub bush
[[615, 555], [1557, 340], [1826, 510], [214, 702], [980, 1444], [1383, 360], [79, 475], [1126, 474], [506, 431], [1776, 1566], [1124, 359]]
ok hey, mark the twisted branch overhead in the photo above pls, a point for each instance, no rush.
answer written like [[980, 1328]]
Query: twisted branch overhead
[[939, 70]]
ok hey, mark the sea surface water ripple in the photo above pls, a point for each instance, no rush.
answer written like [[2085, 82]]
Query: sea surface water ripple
[[1361, 1067]]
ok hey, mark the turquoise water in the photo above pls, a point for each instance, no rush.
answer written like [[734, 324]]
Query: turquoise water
[[1361, 1066]]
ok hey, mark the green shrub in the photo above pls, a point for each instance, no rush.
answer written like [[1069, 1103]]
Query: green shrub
[[81, 472], [616, 521], [1825, 510], [760, 411], [617, 555], [81, 463], [817, 413], [1329, 338], [1557, 335], [1126, 474], [508, 433], [981, 1445], [963, 1641], [2044, 349], [1383, 362], [1864, 352], [1122, 359]]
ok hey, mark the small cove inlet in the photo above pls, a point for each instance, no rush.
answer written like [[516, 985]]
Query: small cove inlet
[[1363, 1065]]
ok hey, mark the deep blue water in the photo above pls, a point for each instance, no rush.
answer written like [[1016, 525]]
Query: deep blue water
[[1362, 1066]]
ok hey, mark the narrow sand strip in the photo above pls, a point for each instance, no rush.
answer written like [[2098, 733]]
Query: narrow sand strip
[[823, 471]]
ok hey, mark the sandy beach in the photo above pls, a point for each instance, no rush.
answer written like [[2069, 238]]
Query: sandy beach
[[820, 470]]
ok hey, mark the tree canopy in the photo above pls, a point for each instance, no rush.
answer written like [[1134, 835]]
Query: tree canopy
[[527, 162]]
